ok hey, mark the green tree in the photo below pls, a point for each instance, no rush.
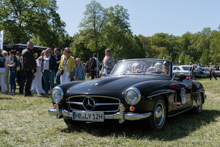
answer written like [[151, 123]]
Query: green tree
[[185, 59], [92, 25], [23, 19], [215, 47], [117, 32], [200, 43], [205, 59], [161, 55], [79, 49]]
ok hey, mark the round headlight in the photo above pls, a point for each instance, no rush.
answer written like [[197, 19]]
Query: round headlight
[[132, 96], [57, 94]]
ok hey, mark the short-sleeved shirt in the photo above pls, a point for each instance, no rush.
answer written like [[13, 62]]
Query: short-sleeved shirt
[[14, 60]]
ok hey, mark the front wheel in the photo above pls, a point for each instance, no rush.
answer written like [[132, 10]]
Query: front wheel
[[71, 123], [158, 118]]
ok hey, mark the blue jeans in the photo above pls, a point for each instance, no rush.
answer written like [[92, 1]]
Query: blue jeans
[[12, 75], [48, 76], [57, 79]]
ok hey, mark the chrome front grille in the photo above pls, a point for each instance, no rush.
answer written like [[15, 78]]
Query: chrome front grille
[[100, 103]]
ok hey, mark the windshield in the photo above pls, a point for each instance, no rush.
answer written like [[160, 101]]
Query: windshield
[[142, 66]]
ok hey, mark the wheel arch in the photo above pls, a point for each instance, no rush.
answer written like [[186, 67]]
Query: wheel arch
[[164, 94], [166, 103], [203, 97]]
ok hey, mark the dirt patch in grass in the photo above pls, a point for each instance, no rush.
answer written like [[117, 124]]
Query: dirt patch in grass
[[216, 98]]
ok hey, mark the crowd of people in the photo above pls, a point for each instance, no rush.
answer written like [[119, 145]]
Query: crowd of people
[[42, 74], [49, 69]]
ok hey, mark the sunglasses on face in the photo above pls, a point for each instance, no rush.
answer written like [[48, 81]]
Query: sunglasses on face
[[47, 52], [67, 52], [167, 64]]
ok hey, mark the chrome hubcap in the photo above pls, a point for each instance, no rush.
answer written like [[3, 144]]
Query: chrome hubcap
[[159, 114]]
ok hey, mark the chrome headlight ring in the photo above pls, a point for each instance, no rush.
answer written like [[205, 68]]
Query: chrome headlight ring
[[132, 96], [57, 94]]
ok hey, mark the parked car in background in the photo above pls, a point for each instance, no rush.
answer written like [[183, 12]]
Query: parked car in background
[[206, 71], [217, 72], [185, 70], [182, 69], [137, 89], [199, 73]]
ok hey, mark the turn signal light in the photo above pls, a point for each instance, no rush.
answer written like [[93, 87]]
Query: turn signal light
[[124, 108], [132, 108], [55, 105], [172, 86]]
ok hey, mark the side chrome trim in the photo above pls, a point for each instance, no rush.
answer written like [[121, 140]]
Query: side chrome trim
[[180, 112], [160, 94]]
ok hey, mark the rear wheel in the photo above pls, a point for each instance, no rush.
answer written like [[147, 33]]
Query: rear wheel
[[198, 108], [71, 123], [158, 118]]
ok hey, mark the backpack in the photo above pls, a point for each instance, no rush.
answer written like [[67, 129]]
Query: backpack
[[91, 64]]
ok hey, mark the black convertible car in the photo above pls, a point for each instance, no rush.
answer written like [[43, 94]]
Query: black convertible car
[[137, 89]]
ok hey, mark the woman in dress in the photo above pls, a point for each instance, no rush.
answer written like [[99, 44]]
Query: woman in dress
[[107, 63], [38, 82], [79, 71], [66, 66]]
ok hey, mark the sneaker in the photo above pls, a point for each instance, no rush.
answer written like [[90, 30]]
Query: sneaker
[[10, 93]]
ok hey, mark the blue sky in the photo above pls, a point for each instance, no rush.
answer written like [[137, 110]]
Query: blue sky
[[148, 17]]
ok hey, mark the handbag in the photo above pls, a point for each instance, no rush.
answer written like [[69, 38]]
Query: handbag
[[61, 71]]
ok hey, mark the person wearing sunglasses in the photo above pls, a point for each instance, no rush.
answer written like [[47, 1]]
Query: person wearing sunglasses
[[48, 69], [166, 67], [66, 66]]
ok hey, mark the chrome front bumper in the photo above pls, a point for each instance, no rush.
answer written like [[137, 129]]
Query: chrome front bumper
[[121, 115]]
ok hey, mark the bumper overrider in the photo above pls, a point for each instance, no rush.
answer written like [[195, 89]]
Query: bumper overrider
[[121, 115]]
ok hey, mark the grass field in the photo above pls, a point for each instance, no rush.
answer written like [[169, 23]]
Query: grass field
[[25, 122]]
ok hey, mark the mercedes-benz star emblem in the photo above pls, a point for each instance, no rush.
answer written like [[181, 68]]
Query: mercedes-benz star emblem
[[88, 103]]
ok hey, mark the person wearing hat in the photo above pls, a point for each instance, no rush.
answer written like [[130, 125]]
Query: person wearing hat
[[166, 67], [212, 71]]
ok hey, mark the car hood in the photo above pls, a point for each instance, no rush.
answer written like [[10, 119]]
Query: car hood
[[111, 83]]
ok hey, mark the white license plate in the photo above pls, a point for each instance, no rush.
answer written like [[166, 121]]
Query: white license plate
[[88, 116]]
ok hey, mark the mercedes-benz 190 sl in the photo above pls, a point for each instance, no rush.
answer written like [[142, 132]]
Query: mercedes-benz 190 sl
[[137, 89]]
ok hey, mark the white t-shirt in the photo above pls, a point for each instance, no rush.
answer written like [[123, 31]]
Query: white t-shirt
[[65, 67], [46, 62]]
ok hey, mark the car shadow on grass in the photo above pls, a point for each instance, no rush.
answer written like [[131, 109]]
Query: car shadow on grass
[[6, 98], [175, 128]]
